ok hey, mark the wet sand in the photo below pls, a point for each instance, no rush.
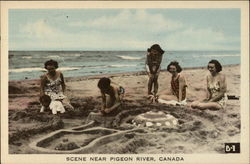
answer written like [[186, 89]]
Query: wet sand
[[198, 131]]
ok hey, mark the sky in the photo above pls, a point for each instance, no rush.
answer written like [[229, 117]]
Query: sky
[[124, 29]]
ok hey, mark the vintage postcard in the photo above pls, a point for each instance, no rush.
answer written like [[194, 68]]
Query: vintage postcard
[[125, 82]]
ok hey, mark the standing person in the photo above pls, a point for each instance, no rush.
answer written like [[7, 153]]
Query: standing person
[[53, 85], [177, 95], [153, 67], [112, 95], [216, 88]]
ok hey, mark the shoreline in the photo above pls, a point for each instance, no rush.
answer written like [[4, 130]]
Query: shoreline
[[134, 73]]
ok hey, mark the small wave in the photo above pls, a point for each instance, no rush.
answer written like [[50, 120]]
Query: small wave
[[121, 65], [97, 66], [52, 56], [18, 70], [27, 57], [70, 55], [130, 57], [27, 70], [208, 56], [68, 68], [110, 66]]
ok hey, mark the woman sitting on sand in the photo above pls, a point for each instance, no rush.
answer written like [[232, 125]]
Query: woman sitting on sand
[[112, 95], [53, 85], [177, 95], [216, 88]]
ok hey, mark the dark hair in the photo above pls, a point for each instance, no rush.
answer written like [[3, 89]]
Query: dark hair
[[45, 98], [104, 83], [51, 62], [157, 48], [176, 64], [217, 65]]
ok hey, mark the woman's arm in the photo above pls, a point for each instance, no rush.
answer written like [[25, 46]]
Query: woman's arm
[[159, 60], [117, 102], [42, 84], [148, 64], [103, 101], [223, 89], [182, 84], [63, 82], [208, 92], [147, 69], [147, 58]]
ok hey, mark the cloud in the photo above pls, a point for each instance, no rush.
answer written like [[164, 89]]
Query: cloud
[[127, 30], [138, 20], [196, 39], [39, 29]]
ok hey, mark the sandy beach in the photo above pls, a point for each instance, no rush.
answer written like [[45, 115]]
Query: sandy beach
[[197, 132]]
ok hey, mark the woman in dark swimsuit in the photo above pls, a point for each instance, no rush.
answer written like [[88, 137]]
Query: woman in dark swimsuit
[[178, 86]]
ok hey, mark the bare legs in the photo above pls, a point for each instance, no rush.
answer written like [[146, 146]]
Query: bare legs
[[167, 98], [153, 80], [206, 105], [67, 105]]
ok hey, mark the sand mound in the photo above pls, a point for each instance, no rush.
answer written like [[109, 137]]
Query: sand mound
[[29, 122], [24, 124], [18, 87], [195, 130], [155, 119], [82, 107]]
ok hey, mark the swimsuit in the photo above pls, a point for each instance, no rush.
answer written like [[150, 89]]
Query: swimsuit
[[214, 88], [153, 60], [53, 88], [175, 88]]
